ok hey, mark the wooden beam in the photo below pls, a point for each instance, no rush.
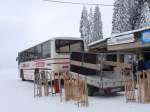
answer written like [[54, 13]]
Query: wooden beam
[[96, 66], [133, 45], [118, 64]]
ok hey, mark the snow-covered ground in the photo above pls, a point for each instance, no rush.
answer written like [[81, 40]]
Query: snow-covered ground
[[17, 96]]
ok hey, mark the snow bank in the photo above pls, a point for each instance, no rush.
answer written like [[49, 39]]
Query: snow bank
[[17, 96]]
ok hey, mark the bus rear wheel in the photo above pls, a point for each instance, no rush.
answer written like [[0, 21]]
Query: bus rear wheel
[[90, 90]]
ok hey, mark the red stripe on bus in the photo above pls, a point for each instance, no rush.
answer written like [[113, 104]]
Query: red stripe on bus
[[60, 63], [51, 59]]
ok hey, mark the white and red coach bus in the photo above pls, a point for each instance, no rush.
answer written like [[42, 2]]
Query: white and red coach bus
[[52, 55]]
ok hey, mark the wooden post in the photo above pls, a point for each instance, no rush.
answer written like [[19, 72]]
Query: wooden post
[[118, 57], [66, 87], [60, 86], [129, 87]]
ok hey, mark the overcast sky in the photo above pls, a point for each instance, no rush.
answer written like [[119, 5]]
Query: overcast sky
[[24, 23]]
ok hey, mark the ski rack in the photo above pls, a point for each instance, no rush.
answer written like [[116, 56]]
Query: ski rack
[[76, 89], [41, 85], [44, 83], [138, 90]]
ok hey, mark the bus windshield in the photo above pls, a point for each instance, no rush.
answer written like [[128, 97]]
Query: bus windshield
[[67, 46]]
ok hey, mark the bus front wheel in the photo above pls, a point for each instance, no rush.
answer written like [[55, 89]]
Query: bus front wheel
[[22, 75]]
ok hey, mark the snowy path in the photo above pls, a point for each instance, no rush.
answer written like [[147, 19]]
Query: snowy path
[[17, 96]]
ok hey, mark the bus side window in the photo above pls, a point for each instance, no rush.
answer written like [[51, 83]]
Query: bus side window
[[38, 52], [76, 46], [46, 50]]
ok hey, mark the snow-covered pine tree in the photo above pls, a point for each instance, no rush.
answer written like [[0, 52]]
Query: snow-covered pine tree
[[90, 18], [134, 12], [130, 15], [145, 16], [116, 18], [97, 25], [84, 25], [137, 17], [88, 32], [148, 1], [84, 11], [121, 17]]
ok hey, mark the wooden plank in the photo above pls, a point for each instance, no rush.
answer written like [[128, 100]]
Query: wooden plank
[[86, 65], [97, 66], [118, 64], [133, 45]]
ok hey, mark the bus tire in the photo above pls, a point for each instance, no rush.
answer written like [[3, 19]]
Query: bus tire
[[22, 75], [90, 90], [107, 92], [36, 71]]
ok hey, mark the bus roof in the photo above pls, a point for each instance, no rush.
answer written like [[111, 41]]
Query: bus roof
[[67, 38], [54, 38]]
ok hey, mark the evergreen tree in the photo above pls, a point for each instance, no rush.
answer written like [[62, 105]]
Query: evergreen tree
[[121, 16], [97, 25], [134, 12], [116, 18], [137, 17], [90, 18], [148, 1], [130, 15], [145, 16], [84, 25]]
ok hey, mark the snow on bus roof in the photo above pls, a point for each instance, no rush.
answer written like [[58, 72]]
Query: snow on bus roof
[[75, 38], [54, 38], [118, 34]]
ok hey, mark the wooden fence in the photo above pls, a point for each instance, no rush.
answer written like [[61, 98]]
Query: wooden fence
[[138, 89], [76, 89]]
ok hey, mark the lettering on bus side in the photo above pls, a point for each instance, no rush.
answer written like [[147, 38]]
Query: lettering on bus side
[[40, 64], [25, 65], [65, 66]]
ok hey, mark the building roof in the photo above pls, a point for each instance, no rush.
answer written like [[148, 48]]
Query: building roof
[[129, 32], [129, 46], [97, 42], [116, 35], [54, 38]]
